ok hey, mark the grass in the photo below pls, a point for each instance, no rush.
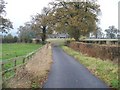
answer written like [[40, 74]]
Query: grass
[[105, 70], [18, 49], [11, 51], [59, 41]]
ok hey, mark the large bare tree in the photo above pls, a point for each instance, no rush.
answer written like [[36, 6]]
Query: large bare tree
[[41, 23]]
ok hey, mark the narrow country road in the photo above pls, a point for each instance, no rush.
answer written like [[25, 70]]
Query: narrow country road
[[66, 72]]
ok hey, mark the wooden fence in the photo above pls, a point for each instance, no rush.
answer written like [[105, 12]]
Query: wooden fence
[[102, 41], [10, 66]]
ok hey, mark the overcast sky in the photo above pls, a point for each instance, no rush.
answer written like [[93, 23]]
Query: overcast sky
[[20, 11]]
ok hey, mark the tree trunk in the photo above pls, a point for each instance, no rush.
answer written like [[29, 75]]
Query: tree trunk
[[76, 39], [44, 34], [76, 34]]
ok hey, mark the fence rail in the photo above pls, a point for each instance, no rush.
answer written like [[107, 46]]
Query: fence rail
[[102, 41], [13, 64]]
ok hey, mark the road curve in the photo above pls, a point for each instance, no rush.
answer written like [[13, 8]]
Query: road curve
[[66, 72]]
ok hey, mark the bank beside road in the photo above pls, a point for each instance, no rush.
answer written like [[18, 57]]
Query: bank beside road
[[35, 72], [106, 70]]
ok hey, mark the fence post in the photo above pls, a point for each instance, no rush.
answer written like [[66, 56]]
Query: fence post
[[2, 73], [2, 66], [23, 60], [15, 63], [47, 45], [28, 57], [31, 55]]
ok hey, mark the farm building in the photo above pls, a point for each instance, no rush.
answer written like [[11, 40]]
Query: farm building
[[36, 40], [62, 35]]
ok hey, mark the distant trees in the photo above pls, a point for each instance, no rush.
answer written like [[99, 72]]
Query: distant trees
[[25, 33], [5, 24], [112, 32], [74, 18], [99, 34], [9, 39]]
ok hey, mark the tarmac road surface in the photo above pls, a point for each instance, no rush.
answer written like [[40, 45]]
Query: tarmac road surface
[[66, 72]]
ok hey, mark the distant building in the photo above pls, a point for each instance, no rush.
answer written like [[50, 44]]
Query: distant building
[[36, 40], [58, 35], [62, 35]]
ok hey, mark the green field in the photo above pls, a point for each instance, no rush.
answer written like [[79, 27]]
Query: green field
[[10, 51], [15, 50]]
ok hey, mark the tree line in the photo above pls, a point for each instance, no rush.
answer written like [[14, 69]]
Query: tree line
[[111, 33], [10, 39], [74, 18]]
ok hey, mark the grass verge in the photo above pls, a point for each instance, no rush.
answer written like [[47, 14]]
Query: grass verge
[[105, 70]]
